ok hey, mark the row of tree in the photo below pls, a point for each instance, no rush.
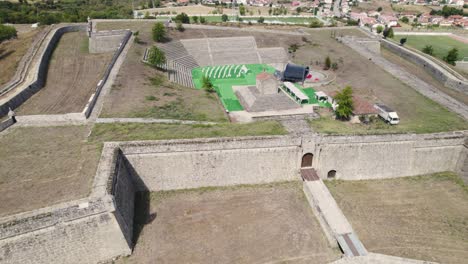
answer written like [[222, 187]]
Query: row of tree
[[51, 12], [450, 58]]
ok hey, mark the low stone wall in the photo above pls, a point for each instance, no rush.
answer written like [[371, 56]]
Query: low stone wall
[[92, 101], [462, 65], [6, 124], [436, 71]]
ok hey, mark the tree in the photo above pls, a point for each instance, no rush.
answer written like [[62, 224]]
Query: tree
[[7, 32], [183, 18], [180, 26], [202, 20], [452, 56], [388, 32], [403, 41], [404, 20], [261, 20], [195, 19], [334, 66], [327, 63], [224, 18], [428, 50], [156, 57], [379, 29], [242, 10], [315, 23], [379, 9], [344, 99], [159, 32], [207, 84]]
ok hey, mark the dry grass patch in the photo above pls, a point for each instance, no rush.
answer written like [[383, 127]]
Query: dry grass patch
[[41, 166], [139, 131], [414, 217], [242, 224]]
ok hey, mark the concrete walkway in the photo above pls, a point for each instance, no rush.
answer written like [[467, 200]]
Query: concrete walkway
[[335, 225]]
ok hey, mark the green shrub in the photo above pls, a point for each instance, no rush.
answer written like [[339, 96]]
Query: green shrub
[[156, 57], [428, 49], [159, 32], [7, 32]]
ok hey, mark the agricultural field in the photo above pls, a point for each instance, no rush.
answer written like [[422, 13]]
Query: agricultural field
[[422, 217], [267, 223], [418, 114], [72, 77], [41, 166], [440, 44], [13, 50]]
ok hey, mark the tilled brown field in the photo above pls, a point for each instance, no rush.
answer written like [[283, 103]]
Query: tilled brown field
[[72, 77], [40, 166], [255, 224], [422, 218]]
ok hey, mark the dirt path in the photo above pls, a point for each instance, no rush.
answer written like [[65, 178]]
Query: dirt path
[[72, 77]]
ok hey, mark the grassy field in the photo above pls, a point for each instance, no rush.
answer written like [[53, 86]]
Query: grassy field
[[440, 44], [136, 131], [422, 217], [142, 91], [418, 114], [41, 166]]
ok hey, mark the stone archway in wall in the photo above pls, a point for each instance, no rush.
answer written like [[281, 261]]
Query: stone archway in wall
[[331, 174], [307, 160]]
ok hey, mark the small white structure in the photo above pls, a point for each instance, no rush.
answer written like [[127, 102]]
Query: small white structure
[[298, 95]]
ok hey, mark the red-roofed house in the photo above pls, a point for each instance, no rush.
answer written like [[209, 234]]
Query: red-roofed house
[[362, 108]]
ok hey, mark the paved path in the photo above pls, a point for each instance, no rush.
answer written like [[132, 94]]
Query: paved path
[[419, 85]]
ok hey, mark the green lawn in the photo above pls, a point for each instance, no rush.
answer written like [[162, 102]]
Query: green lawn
[[440, 44], [439, 120], [138, 131], [226, 76]]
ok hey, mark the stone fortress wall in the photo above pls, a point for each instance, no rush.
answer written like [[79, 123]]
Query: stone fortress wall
[[41, 74], [117, 43], [100, 227], [431, 67]]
